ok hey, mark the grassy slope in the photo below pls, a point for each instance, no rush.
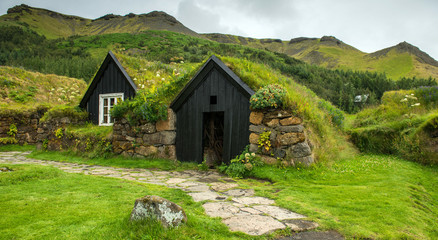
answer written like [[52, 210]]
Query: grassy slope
[[342, 56], [54, 25], [18, 86]]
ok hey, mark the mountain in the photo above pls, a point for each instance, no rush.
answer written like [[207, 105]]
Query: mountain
[[54, 25], [402, 60]]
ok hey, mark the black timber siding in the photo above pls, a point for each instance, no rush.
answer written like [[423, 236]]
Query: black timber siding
[[111, 81], [230, 100]]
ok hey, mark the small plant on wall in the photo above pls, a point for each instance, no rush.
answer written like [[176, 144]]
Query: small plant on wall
[[270, 96], [242, 165], [265, 142]]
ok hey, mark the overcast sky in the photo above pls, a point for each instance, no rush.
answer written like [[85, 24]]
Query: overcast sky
[[368, 25]]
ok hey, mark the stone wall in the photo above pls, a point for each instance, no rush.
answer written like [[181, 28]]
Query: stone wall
[[147, 139], [46, 134], [26, 123], [288, 138]]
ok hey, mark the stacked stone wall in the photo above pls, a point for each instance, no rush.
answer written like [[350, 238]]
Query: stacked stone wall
[[25, 122], [288, 139], [147, 139]]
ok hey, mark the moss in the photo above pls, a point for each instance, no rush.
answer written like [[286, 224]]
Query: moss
[[74, 113]]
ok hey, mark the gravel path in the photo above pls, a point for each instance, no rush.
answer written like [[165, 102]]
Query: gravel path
[[239, 209]]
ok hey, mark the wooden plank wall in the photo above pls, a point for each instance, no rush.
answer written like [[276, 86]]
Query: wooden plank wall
[[112, 81], [190, 118]]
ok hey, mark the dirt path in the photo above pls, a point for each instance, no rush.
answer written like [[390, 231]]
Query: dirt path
[[239, 209]]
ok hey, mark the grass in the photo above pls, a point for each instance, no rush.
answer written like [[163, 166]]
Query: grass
[[23, 88], [39, 202], [116, 161], [369, 196]]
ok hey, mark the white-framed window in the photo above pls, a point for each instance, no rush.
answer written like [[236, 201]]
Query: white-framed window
[[106, 103]]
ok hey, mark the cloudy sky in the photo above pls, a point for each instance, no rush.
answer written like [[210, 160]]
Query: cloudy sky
[[368, 25]]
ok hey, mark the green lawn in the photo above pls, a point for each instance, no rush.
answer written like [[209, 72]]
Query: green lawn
[[39, 202], [367, 196]]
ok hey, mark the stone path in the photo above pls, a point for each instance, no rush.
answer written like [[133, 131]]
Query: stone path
[[239, 209]]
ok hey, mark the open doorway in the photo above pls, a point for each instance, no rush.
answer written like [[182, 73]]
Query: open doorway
[[213, 138]]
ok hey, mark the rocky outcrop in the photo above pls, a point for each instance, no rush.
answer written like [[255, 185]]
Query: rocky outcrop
[[158, 208]]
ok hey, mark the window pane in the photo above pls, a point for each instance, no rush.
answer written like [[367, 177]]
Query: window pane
[[119, 100], [105, 119], [112, 101], [105, 110], [105, 102]]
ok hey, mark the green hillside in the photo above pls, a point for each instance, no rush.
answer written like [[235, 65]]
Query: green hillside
[[402, 60], [80, 56], [54, 25], [20, 88]]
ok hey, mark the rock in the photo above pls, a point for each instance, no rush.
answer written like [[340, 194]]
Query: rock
[[258, 128], [130, 139], [271, 122], [253, 147], [219, 186], [165, 137], [40, 130], [290, 138], [240, 192], [163, 210], [278, 213], [279, 153], [288, 129], [169, 124], [298, 225], [277, 114], [148, 128], [220, 209], [299, 150], [273, 136], [146, 150], [201, 196], [256, 118], [253, 200], [269, 160], [253, 224], [290, 121], [304, 160], [254, 138]]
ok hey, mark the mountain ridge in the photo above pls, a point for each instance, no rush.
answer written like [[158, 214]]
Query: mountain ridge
[[401, 60]]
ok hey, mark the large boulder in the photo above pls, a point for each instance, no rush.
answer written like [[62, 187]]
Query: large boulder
[[155, 207]]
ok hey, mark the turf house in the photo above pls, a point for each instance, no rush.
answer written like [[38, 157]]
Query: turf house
[[110, 85], [212, 110]]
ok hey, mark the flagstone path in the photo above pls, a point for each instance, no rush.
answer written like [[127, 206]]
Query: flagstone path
[[239, 209]]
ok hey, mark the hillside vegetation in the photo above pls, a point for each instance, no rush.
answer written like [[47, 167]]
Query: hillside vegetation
[[402, 60], [20, 88], [79, 56]]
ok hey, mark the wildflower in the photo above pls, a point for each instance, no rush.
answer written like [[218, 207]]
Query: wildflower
[[135, 79], [404, 100], [162, 79], [158, 75], [253, 154], [415, 105], [182, 62]]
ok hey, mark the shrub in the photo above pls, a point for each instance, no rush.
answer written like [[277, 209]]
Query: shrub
[[74, 113], [337, 116], [242, 165], [270, 96], [12, 130]]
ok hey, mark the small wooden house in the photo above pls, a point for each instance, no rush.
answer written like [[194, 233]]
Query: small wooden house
[[212, 113], [110, 85]]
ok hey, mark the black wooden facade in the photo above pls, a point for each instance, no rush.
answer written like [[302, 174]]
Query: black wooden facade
[[215, 93], [110, 78]]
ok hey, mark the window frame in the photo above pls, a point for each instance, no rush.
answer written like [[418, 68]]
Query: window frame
[[102, 98]]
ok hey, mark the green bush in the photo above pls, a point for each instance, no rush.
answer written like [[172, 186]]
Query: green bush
[[242, 165], [74, 113], [270, 96]]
